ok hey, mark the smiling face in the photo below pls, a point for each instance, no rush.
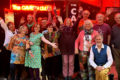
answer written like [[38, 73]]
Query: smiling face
[[117, 18], [85, 14], [44, 23], [100, 18], [23, 29], [29, 18], [50, 28], [68, 22], [11, 26], [88, 24], [99, 40], [37, 28]]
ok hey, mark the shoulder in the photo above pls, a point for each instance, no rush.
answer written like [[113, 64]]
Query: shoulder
[[106, 25], [31, 33], [114, 26], [82, 32], [40, 34], [94, 46]]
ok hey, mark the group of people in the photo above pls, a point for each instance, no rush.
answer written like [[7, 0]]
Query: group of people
[[37, 44]]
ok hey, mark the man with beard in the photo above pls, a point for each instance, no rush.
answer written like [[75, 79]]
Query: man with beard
[[100, 58]]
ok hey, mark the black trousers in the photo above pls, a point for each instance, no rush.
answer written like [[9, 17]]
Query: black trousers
[[5, 62], [31, 71], [16, 68]]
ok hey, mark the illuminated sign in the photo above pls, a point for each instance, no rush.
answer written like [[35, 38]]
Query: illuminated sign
[[23, 7]]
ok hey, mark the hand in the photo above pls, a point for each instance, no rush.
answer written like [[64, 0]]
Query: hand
[[31, 43], [60, 19], [54, 8], [80, 9], [22, 20], [54, 45], [113, 46], [88, 45], [31, 54], [54, 24], [109, 11], [0, 18], [35, 10], [99, 68], [0, 50], [76, 51], [49, 9]]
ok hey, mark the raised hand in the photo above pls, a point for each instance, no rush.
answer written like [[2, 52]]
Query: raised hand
[[60, 19], [22, 20], [80, 9], [0, 18], [35, 10], [109, 11], [49, 9]]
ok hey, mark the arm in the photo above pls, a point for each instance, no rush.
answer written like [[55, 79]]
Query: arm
[[60, 20], [10, 45], [109, 35], [27, 44], [48, 42], [75, 25], [112, 37], [77, 41], [49, 16], [34, 15], [109, 58], [109, 38], [3, 25], [91, 60]]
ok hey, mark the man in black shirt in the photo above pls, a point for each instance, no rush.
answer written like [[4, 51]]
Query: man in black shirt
[[115, 41]]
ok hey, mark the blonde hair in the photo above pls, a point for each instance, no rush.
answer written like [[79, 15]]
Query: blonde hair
[[21, 27], [88, 21], [66, 21]]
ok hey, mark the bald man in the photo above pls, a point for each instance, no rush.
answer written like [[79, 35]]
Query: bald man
[[115, 41], [85, 15], [103, 28]]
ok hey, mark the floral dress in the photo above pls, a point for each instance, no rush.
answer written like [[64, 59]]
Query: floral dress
[[34, 62], [18, 49]]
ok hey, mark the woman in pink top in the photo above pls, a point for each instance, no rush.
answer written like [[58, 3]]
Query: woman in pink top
[[83, 43]]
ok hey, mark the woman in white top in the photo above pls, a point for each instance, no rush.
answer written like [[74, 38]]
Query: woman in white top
[[9, 30]]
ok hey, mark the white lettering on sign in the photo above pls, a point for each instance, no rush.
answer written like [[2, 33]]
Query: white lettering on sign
[[73, 12]]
